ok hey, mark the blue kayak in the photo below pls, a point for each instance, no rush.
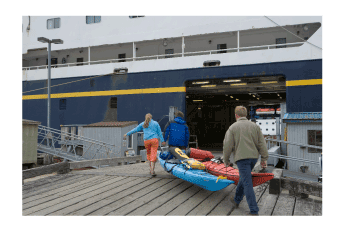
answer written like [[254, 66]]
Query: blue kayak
[[198, 177]]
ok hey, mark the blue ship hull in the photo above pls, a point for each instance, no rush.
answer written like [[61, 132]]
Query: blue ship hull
[[133, 107]]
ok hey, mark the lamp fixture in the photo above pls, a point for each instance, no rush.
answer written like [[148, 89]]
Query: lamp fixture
[[232, 97], [208, 86], [238, 84], [199, 108], [200, 82], [197, 100], [305, 28], [209, 41], [238, 80], [269, 82], [253, 95]]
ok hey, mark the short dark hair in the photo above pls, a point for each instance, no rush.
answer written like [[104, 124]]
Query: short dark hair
[[179, 114], [241, 111]]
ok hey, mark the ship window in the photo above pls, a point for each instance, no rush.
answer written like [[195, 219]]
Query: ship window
[[281, 41], [221, 46], [63, 104], [81, 59], [53, 23], [314, 138], [53, 62], [169, 52], [135, 16], [93, 19], [92, 82], [113, 103], [121, 56]]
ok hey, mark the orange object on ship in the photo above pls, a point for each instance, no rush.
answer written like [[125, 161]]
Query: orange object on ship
[[265, 111]]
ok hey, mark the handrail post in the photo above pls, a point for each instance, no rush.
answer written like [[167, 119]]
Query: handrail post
[[134, 51], [89, 55], [183, 46], [238, 40]]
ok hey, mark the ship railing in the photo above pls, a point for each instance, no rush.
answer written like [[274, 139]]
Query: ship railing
[[302, 162], [73, 147], [165, 56]]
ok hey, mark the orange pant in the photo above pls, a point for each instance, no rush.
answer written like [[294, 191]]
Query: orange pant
[[152, 149]]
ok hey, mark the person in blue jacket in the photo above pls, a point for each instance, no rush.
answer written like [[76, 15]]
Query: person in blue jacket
[[177, 132]]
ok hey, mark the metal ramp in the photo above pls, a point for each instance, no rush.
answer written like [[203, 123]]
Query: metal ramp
[[73, 147]]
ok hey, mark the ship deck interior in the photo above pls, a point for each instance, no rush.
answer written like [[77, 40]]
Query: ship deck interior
[[210, 104]]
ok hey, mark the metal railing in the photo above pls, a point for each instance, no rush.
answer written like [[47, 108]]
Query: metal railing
[[49, 138], [164, 56], [275, 142]]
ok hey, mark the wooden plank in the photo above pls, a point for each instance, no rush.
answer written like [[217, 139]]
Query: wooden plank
[[317, 208], [298, 186], [261, 201], [40, 201], [55, 185], [209, 204], [109, 161], [113, 184], [191, 203], [95, 202], [304, 207], [158, 201], [268, 204], [45, 181], [225, 206], [127, 174], [146, 198], [175, 202], [275, 183], [284, 205], [243, 206], [116, 201], [50, 194], [30, 173]]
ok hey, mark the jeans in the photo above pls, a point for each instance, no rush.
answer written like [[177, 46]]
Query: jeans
[[245, 186]]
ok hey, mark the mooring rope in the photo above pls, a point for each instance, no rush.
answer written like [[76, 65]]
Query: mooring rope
[[68, 82]]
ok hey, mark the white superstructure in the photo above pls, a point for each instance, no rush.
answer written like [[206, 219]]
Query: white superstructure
[[147, 43]]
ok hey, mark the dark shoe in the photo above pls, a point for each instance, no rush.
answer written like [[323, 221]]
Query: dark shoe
[[231, 198], [153, 174], [250, 214]]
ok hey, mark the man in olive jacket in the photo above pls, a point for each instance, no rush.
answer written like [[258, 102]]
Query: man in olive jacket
[[247, 141]]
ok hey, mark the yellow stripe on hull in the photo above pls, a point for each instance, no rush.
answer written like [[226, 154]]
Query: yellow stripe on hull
[[106, 93], [304, 82]]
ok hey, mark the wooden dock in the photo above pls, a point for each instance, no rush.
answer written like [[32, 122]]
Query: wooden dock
[[130, 190]]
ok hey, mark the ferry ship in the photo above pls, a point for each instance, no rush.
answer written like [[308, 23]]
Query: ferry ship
[[118, 68]]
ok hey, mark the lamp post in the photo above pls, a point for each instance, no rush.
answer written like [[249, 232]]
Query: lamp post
[[55, 41]]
